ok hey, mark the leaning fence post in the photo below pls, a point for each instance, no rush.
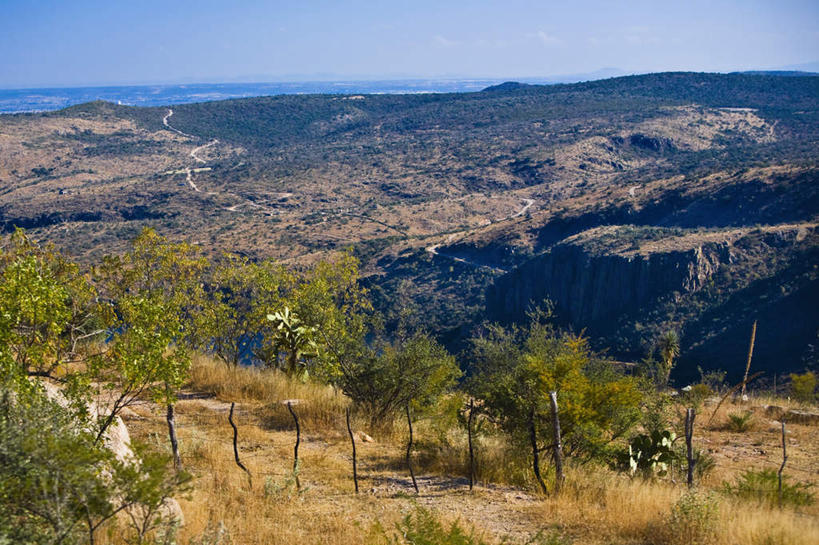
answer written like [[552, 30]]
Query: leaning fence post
[[409, 450], [558, 446], [236, 447], [295, 448], [352, 440], [748, 364], [690, 414]]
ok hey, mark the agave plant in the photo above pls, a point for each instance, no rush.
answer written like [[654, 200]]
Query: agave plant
[[293, 337]]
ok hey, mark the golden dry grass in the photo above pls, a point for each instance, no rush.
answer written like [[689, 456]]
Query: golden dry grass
[[596, 506]]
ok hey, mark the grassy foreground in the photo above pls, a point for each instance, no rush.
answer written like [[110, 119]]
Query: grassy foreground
[[596, 505]]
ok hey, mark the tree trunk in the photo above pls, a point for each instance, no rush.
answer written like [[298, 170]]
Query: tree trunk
[[352, 440], [295, 448], [535, 453], [177, 461], [409, 450], [558, 449], [690, 414]]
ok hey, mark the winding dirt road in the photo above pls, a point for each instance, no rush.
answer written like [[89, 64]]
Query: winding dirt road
[[433, 250]]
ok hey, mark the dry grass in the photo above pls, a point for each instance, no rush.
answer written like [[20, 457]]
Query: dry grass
[[596, 506], [318, 406]]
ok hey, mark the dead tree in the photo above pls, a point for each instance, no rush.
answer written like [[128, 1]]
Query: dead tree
[[748, 364], [236, 446], [558, 445], [352, 440], [469, 438], [535, 451], [409, 450], [784, 459], [296, 447], [690, 414], [177, 460]]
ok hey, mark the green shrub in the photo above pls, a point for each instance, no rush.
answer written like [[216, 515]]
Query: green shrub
[[739, 422], [764, 485], [803, 387], [693, 519]]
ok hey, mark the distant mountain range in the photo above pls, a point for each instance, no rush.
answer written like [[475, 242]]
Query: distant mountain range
[[55, 98]]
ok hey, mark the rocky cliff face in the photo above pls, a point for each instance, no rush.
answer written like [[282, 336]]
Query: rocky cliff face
[[591, 289], [623, 285]]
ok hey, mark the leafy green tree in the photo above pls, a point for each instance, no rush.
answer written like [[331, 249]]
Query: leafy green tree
[[157, 293], [238, 296], [330, 299], [59, 485], [49, 312], [515, 369], [412, 370]]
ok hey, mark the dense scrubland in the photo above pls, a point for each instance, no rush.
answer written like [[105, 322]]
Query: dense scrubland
[[244, 386]]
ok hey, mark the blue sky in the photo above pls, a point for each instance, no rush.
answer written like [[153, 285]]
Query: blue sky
[[89, 42]]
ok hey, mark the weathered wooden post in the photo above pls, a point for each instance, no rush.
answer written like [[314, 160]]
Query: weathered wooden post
[[352, 440], [469, 438], [296, 447], [236, 447], [409, 450], [535, 451], [690, 414], [784, 459], [558, 445]]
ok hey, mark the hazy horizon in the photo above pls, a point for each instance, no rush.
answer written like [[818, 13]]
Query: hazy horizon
[[94, 43]]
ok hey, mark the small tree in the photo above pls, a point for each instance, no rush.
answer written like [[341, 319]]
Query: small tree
[[238, 295], [49, 312], [414, 370], [668, 347], [157, 294], [516, 368]]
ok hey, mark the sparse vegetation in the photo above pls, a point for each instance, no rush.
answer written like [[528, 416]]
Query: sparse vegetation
[[171, 338]]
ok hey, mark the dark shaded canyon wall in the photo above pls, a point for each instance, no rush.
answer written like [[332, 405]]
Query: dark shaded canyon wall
[[594, 291]]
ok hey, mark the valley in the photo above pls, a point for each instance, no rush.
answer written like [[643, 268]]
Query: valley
[[638, 204]]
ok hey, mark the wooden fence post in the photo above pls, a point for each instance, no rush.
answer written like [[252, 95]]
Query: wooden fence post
[[469, 437], [558, 445], [295, 448], [352, 440], [784, 459], [690, 414], [409, 450], [236, 447]]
